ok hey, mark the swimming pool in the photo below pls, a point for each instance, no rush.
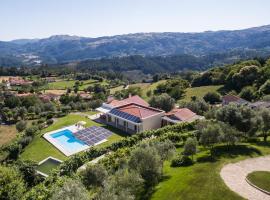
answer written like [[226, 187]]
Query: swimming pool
[[65, 141]]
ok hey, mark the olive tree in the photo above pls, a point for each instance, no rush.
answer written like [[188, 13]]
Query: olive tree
[[12, 186], [190, 147], [71, 189], [210, 136], [147, 162], [21, 125], [93, 175]]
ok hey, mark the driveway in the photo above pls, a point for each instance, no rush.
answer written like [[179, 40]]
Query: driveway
[[234, 176]]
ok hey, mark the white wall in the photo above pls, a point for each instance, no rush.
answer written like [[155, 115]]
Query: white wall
[[153, 122]]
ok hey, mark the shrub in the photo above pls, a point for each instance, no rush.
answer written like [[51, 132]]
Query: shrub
[[21, 125], [31, 130], [212, 97], [14, 151], [41, 120], [24, 141], [49, 121], [93, 175], [181, 161]]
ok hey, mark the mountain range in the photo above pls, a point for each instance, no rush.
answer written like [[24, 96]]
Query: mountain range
[[225, 46]]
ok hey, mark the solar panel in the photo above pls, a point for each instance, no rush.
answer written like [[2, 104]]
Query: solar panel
[[92, 135], [124, 115]]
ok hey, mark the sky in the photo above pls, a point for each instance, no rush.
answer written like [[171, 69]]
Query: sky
[[95, 18]]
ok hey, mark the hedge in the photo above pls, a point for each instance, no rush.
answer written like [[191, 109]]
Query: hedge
[[74, 162]]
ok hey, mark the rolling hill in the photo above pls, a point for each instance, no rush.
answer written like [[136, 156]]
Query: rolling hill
[[220, 46]]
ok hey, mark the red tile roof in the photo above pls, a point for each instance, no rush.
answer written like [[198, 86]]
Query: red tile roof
[[134, 99], [139, 110], [230, 98], [182, 114]]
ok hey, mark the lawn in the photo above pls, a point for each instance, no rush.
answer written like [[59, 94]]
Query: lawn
[[115, 89], [202, 180], [7, 134], [146, 87], [261, 179], [200, 91], [64, 84], [40, 149]]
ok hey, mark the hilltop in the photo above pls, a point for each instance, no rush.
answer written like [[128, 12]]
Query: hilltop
[[230, 45]]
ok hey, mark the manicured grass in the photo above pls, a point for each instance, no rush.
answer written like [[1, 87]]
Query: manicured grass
[[260, 179], [7, 134], [199, 91], [40, 149], [202, 180]]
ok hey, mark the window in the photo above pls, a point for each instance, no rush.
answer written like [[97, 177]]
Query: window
[[135, 127]]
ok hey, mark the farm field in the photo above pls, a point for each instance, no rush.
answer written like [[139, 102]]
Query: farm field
[[203, 177], [40, 148], [119, 88], [146, 87], [64, 84], [199, 91], [4, 78], [7, 134]]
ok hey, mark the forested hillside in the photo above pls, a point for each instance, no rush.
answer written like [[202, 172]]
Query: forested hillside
[[208, 47]]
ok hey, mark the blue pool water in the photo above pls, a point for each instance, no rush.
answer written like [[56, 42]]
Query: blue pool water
[[67, 140]]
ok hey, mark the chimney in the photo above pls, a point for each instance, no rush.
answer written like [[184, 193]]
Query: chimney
[[129, 95]]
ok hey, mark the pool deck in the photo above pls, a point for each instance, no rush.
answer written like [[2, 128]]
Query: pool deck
[[64, 150]]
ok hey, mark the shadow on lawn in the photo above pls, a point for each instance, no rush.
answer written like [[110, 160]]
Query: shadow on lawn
[[229, 152], [262, 143]]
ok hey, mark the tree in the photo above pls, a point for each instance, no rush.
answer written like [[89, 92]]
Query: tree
[[210, 136], [265, 88], [21, 125], [229, 134], [264, 122], [71, 189], [149, 93], [147, 162], [12, 186], [165, 149], [245, 77], [128, 180], [12, 102], [163, 101], [248, 93], [93, 175], [31, 100], [177, 92], [198, 106], [28, 171], [30, 131], [240, 117], [190, 147], [212, 97]]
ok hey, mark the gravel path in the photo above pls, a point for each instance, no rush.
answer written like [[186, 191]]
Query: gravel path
[[234, 176]]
